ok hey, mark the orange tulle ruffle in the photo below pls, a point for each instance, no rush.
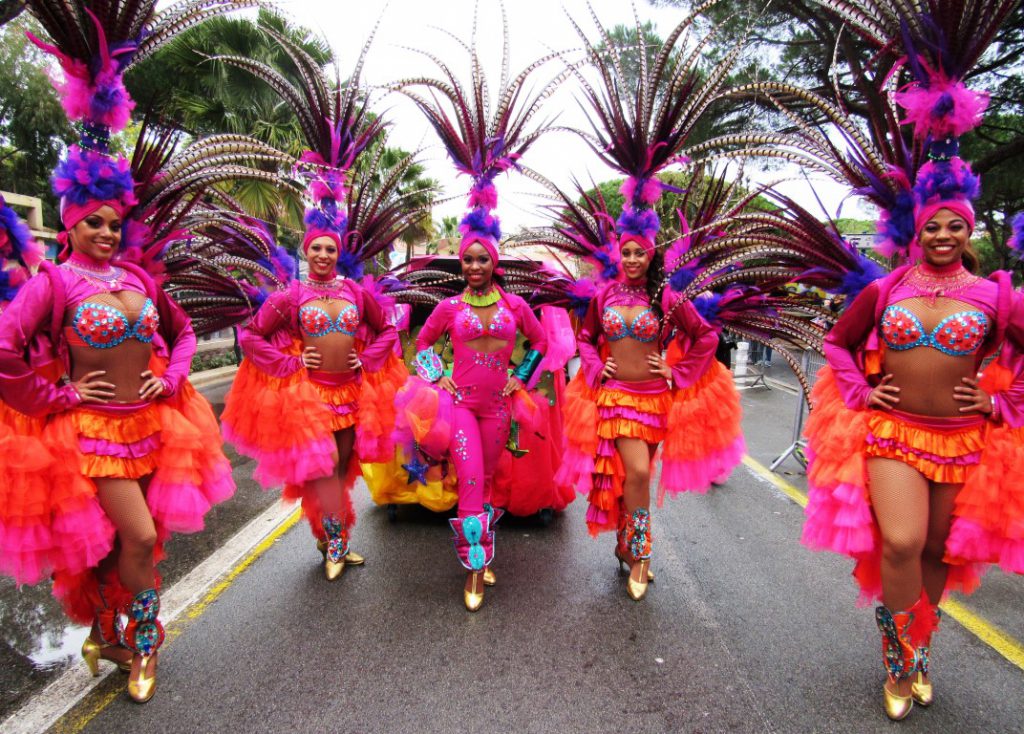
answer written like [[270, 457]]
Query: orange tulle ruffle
[[341, 402], [118, 428], [921, 447], [375, 421], [631, 427]]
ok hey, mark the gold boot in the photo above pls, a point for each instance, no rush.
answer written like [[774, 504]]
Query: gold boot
[[638, 589], [92, 653], [473, 592], [489, 578], [142, 687], [897, 707], [624, 567], [351, 558], [921, 691]]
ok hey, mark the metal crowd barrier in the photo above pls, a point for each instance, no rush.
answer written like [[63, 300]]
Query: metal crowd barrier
[[810, 363]]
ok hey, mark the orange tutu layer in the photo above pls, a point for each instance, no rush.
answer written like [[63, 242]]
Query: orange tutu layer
[[704, 439], [838, 512], [376, 412], [632, 427], [389, 484], [116, 428], [920, 446], [341, 402], [282, 423]]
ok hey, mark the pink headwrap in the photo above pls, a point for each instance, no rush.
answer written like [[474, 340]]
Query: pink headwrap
[[71, 214], [960, 207], [314, 232], [644, 242], [486, 242]]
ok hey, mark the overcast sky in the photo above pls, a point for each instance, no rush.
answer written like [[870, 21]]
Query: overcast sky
[[536, 27]]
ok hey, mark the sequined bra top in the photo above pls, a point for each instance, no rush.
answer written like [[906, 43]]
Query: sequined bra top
[[468, 325], [958, 334], [644, 327], [102, 326], [315, 321]]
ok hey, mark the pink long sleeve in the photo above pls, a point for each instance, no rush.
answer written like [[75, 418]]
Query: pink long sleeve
[[382, 335], [21, 386], [257, 338], [436, 324], [1009, 403], [697, 339], [845, 338], [590, 358], [179, 361]]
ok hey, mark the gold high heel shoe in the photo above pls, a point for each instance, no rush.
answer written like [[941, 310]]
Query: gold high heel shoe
[[92, 652], [638, 589], [897, 707], [473, 596], [922, 692], [489, 578], [142, 688], [624, 567]]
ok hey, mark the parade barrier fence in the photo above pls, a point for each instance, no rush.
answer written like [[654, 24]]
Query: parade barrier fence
[[810, 363]]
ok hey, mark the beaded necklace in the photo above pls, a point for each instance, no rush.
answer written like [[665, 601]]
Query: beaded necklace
[[481, 299], [330, 287], [933, 284], [105, 277]]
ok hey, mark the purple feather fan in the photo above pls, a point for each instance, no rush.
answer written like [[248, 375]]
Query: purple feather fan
[[942, 180], [86, 176], [481, 222], [1016, 241], [642, 222]]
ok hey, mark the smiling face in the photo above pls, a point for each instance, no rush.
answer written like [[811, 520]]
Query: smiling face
[[635, 261], [944, 238], [322, 255], [477, 267], [98, 235]]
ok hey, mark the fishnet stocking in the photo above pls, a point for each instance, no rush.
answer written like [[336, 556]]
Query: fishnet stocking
[[125, 504], [899, 497]]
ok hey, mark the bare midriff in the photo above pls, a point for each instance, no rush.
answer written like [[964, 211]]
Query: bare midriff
[[926, 376], [123, 364], [333, 347], [629, 354]]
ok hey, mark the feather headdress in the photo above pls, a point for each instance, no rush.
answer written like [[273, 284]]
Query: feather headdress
[[482, 144], [20, 253]]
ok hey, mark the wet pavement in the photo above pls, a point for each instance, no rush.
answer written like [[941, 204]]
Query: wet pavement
[[744, 629]]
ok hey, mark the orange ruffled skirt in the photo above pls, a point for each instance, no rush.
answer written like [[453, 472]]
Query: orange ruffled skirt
[[988, 517]]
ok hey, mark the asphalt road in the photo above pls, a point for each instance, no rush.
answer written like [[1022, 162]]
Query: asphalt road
[[743, 631]]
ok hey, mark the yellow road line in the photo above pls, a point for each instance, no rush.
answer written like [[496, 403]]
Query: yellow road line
[[79, 717], [1002, 643]]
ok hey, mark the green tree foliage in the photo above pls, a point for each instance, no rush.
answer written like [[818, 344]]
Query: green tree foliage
[[33, 127]]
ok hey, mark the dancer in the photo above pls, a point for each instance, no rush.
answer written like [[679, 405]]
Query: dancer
[[637, 396], [108, 449], [315, 394], [911, 452]]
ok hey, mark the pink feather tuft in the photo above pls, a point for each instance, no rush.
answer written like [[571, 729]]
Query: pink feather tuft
[[484, 195], [943, 108], [647, 194]]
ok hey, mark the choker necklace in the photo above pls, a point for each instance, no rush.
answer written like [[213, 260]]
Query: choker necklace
[[481, 299], [935, 284], [107, 278], [332, 284]]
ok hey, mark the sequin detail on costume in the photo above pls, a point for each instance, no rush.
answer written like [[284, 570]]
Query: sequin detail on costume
[[461, 442], [644, 327], [491, 360], [638, 534], [468, 325], [102, 326], [957, 335], [337, 538], [316, 321], [144, 634]]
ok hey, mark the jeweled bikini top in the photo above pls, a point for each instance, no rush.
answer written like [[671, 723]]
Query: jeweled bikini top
[[644, 327], [468, 325], [958, 334], [102, 326], [315, 321]]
